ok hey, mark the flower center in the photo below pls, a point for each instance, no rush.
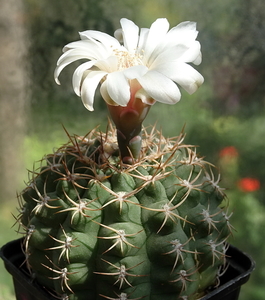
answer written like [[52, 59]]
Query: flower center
[[127, 59]]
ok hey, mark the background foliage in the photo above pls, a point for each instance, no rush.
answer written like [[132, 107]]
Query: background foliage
[[227, 111]]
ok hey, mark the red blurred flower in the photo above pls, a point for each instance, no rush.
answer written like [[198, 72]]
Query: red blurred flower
[[229, 151], [248, 184]]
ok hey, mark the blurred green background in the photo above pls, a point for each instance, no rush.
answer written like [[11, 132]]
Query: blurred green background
[[225, 117]]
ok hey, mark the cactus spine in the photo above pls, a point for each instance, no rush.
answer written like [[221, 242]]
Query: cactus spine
[[97, 228]]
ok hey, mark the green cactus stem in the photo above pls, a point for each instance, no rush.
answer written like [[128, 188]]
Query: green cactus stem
[[98, 228]]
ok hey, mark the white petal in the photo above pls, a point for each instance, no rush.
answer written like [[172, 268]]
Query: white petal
[[145, 97], [142, 39], [78, 75], [67, 58], [64, 61], [105, 95], [89, 86], [156, 33], [198, 59], [72, 55], [109, 64], [160, 88], [118, 35], [192, 54], [130, 34], [181, 53], [183, 74], [118, 88], [168, 55], [135, 72], [93, 48], [102, 37], [185, 34]]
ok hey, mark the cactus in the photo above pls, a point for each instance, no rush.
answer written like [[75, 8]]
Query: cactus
[[127, 214], [97, 228]]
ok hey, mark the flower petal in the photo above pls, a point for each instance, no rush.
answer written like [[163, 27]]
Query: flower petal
[[156, 33], [118, 88], [94, 49], [105, 95], [66, 59], [183, 34], [135, 72], [79, 74], [69, 57], [145, 97], [179, 53], [183, 74], [130, 34], [102, 37], [89, 86], [142, 40], [193, 53], [198, 59], [109, 64], [160, 87], [169, 54]]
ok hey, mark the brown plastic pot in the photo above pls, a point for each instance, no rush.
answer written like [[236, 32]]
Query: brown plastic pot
[[237, 273]]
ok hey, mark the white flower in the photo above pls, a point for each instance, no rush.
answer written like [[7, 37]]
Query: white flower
[[146, 64]]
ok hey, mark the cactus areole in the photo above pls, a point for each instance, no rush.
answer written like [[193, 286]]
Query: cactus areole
[[127, 214]]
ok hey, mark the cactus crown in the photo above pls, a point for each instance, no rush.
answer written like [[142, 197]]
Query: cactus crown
[[97, 228]]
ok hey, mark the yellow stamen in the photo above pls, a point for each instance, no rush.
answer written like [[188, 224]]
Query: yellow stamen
[[127, 59]]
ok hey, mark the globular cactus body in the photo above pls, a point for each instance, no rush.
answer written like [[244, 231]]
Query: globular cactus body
[[97, 228]]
